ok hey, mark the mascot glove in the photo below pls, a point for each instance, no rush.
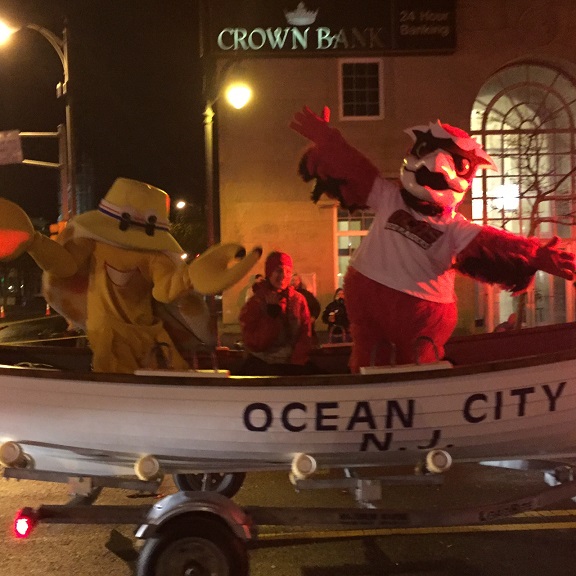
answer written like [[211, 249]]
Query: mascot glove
[[214, 270], [313, 127], [333, 158], [550, 259]]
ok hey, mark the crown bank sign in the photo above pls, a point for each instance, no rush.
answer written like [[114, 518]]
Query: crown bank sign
[[264, 28]]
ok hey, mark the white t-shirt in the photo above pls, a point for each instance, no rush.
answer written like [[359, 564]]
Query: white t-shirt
[[408, 251]]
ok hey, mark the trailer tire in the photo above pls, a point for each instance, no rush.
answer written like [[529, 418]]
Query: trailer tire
[[201, 546], [227, 483]]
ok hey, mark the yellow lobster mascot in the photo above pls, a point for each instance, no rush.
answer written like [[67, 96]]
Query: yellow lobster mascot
[[109, 267]]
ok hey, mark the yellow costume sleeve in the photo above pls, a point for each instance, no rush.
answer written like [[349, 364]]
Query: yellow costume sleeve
[[170, 279], [221, 266], [52, 257]]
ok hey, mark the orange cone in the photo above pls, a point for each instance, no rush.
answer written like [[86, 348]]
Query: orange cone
[[2, 313], [48, 311]]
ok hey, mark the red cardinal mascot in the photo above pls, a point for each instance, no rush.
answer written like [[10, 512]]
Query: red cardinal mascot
[[400, 283]]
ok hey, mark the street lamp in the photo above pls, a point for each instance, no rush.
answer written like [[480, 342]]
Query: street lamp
[[237, 94], [60, 46]]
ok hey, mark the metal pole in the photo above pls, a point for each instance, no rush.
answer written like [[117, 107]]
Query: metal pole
[[208, 78], [60, 46], [64, 170], [70, 153], [209, 203], [209, 172]]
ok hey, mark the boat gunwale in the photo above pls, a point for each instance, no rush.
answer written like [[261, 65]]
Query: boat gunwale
[[315, 380]]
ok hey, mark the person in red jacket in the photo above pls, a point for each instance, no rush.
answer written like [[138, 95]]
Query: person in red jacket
[[275, 324]]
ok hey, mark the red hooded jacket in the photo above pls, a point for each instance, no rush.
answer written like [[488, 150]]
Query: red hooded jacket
[[277, 333]]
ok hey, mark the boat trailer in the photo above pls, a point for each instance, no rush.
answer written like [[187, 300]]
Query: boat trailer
[[198, 532]]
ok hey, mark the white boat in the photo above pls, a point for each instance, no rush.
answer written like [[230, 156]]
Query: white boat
[[82, 423]]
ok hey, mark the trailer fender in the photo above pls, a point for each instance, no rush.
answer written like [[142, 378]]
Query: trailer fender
[[176, 506]]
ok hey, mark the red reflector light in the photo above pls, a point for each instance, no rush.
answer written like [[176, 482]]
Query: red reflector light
[[24, 523]]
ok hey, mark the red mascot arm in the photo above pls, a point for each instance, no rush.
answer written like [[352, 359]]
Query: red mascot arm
[[341, 171], [499, 257]]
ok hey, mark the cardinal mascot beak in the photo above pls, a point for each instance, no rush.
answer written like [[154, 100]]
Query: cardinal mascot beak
[[442, 163]]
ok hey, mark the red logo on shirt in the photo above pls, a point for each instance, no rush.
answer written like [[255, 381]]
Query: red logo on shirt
[[416, 230]]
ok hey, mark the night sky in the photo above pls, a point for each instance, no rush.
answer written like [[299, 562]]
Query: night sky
[[135, 83]]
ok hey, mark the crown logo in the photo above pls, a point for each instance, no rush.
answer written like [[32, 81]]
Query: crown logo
[[301, 16]]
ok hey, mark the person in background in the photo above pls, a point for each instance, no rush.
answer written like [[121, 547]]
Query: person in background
[[509, 324], [313, 304], [275, 324], [336, 317]]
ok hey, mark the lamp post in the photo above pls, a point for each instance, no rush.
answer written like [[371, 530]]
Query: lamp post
[[60, 46], [237, 94], [211, 188]]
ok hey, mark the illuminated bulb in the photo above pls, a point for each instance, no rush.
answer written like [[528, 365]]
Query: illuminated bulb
[[5, 32], [22, 527], [238, 95], [24, 523]]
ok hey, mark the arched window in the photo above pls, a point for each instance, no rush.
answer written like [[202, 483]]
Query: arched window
[[525, 117]]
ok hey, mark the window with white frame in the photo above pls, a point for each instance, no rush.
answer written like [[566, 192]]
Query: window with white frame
[[361, 89], [350, 231]]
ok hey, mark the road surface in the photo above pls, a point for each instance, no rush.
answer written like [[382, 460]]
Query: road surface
[[533, 544]]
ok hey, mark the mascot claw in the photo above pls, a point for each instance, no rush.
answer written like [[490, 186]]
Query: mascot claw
[[553, 261], [17, 235], [212, 272]]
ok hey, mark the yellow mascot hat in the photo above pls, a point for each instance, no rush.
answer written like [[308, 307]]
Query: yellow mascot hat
[[132, 215]]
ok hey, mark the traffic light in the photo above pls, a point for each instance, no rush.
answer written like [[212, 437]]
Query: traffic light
[[56, 228]]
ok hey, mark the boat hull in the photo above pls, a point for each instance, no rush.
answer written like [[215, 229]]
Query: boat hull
[[102, 424]]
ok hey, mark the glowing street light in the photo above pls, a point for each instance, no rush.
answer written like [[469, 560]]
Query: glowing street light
[[60, 46], [238, 97], [215, 83], [237, 94], [5, 32]]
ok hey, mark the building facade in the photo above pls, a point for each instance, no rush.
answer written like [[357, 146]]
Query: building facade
[[504, 70]]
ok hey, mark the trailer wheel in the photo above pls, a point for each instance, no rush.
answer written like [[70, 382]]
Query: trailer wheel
[[226, 484], [194, 547]]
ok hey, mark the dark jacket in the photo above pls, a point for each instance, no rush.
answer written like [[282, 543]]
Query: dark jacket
[[312, 301], [341, 316]]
